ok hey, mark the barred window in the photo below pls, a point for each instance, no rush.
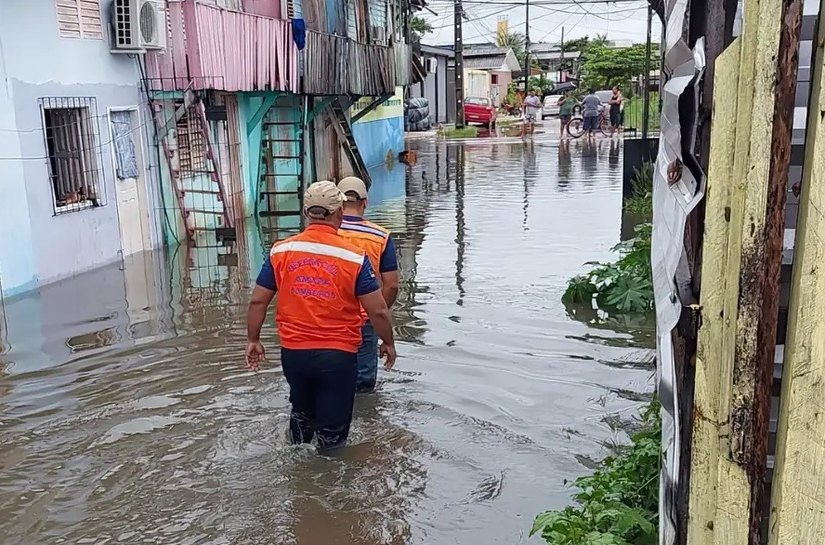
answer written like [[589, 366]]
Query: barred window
[[70, 126]]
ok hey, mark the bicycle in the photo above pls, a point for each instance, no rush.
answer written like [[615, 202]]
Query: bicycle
[[575, 127]]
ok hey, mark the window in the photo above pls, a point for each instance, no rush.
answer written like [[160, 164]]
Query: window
[[79, 19], [494, 79], [71, 132]]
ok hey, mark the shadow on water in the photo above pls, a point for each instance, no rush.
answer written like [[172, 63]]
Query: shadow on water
[[126, 414]]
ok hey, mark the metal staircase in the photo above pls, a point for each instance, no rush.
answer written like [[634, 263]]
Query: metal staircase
[[193, 166], [280, 187], [343, 128]]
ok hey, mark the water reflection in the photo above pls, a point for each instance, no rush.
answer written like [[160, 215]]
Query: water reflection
[[125, 414]]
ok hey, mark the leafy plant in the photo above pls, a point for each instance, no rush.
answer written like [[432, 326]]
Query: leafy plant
[[420, 26], [626, 285], [618, 504], [641, 201]]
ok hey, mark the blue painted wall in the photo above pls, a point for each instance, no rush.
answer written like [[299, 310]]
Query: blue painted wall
[[377, 138]]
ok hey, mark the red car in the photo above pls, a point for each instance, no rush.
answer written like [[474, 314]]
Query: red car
[[479, 110]]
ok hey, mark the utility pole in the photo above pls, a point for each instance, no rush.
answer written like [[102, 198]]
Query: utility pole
[[646, 79], [561, 60], [526, 46], [459, 66]]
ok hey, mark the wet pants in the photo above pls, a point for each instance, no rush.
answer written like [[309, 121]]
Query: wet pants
[[367, 359], [322, 393]]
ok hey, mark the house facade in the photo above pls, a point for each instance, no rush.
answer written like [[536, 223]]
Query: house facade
[[254, 100], [74, 148], [499, 63], [438, 85]]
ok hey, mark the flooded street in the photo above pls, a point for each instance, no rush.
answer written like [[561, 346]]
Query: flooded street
[[126, 415]]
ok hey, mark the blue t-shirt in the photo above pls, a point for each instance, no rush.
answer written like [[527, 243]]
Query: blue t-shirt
[[365, 283]]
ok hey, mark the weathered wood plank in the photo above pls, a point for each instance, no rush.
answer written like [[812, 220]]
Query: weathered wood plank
[[710, 357], [776, 60], [798, 503]]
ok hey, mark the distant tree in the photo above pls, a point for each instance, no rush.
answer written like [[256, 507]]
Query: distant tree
[[517, 42], [603, 67], [576, 44], [420, 26]]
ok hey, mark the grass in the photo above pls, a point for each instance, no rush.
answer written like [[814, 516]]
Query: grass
[[465, 132], [634, 113], [619, 503], [641, 201]]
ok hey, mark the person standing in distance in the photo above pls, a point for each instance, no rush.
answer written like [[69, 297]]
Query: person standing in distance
[[591, 105], [322, 281], [377, 243]]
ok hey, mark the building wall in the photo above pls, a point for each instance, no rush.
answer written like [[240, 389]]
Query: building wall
[[381, 132], [434, 89], [36, 62], [498, 91]]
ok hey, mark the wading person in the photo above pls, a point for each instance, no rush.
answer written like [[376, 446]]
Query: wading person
[[322, 281], [376, 243], [566, 105], [591, 106], [532, 105], [615, 103]]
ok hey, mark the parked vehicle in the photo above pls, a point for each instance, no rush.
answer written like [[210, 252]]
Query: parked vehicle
[[480, 110], [551, 106]]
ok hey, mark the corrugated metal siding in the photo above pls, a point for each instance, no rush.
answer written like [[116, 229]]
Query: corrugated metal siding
[[227, 51], [378, 14], [79, 19]]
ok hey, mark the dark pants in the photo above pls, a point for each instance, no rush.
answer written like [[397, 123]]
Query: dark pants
[[367, 360], [322, 393]]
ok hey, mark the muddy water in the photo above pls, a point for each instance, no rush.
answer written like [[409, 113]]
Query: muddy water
[[126, 415]]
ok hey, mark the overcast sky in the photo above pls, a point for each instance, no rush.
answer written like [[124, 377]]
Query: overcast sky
[[624, 20]]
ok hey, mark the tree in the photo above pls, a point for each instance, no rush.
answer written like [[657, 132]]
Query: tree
[[420, 26], [576, 44], [603, 67], [517, 42]]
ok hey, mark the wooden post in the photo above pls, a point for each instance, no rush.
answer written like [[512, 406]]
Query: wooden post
[[747, 185], [717, 279], [798, 503]]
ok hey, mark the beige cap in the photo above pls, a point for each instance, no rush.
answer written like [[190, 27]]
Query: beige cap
[[323, 194], [356, 185]]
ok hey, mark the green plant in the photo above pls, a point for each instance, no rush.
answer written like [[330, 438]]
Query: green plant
[[464, 132], [625, 285], [618, 504], [641, 200]]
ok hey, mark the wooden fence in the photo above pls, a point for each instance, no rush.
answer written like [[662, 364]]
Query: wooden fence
[[748, 180], [335, 65]]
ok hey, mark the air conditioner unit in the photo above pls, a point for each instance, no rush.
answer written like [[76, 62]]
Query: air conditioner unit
[[432, 65], [138, 25]]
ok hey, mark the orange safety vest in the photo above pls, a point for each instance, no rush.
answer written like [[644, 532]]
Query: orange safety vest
[[369, 238], [316, 272]]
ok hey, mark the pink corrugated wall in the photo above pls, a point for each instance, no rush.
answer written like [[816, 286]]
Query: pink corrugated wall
[[225, 50]]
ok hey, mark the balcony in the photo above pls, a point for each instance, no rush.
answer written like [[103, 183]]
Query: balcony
[[214, 48], [336, 65]]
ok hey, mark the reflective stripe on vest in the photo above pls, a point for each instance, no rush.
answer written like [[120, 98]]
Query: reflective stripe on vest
[[316, 272], [371, 239]]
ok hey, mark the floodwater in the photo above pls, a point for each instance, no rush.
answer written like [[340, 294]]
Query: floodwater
[[126, 415]]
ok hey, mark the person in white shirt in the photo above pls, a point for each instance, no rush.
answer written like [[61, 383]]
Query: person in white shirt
[[532, 105]]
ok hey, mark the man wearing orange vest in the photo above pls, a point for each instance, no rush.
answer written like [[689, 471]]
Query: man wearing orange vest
[[376, 242], [323, 281]]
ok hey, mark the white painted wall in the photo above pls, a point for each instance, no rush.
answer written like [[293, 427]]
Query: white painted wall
[[36, 62]]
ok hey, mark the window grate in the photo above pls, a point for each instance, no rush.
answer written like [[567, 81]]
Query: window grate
[[71, 133], [191, 145]]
